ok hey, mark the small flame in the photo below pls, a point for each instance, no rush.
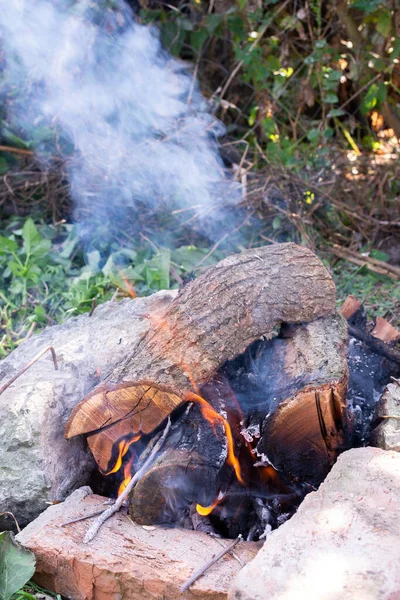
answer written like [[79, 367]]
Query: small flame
[[123, 447], [127, 475], [204, 511], [213, 418]]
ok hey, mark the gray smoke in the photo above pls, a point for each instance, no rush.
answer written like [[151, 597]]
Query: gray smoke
[[138, 125]]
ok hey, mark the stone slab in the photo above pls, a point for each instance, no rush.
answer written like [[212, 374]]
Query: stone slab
[[125, 560], [342, 544]]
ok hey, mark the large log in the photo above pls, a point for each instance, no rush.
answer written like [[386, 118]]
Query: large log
[[218, 315]]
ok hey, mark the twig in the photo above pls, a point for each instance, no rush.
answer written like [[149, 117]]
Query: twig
[[83, 518], [375, 344], [94, 304], [231, 552], [16, 150], [29, 364], [390, 417], [10, 514], [94, 528], [210, 563]]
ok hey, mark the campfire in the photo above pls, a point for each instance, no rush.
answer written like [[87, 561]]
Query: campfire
[[230, 406], [234, 405]]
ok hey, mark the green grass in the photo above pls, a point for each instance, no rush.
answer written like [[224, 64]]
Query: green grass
[[31, 591], [46, 276]]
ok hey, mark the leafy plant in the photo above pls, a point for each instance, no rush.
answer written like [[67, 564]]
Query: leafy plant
[[17, 565], [47, 276]]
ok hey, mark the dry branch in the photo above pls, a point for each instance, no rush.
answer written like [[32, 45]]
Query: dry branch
[[28, 365]]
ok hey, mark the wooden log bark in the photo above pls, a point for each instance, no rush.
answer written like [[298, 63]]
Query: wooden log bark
[[218, 315]]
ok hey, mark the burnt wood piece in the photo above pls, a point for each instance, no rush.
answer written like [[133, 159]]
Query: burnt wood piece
[[190, 469], [213, 319], [114, 414], [300, 383]]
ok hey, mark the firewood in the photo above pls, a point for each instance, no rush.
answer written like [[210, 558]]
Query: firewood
[[303, 435], [188, 470], [212, 320], [113, 412]]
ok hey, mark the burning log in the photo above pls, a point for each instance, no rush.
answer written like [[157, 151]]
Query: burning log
[[214, 319], [292, 416]]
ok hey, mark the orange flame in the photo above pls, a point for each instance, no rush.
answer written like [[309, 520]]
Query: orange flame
[[204, 511], [123, 447], [213, 418], [127, 475]]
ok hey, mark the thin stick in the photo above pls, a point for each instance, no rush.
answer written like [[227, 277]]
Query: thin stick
[[94, 304], [10, 514], [210, 563], [29, 364], [83, 518], [94, 528], [16, 150], [231, 552]]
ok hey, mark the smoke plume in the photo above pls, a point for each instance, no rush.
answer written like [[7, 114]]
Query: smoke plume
[[85, 76]]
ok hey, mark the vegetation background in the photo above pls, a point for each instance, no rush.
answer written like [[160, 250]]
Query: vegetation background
[[309, 92]]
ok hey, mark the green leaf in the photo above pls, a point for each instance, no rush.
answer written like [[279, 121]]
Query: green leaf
[[370, 99], [382, 92], [395, 53], [41, 248], [336, 112], [197, 38], [30, 235], [17, 565], [331, 98], [7, 245], [313, 135], [384, 24]]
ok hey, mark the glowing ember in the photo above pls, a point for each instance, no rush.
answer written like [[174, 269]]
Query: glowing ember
[[213, 418]]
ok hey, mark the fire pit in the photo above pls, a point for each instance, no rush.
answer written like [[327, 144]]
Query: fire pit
[[230, 407], [249, 363]]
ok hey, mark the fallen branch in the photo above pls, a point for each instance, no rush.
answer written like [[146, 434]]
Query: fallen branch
[[378, 266], [375, 344], [212, 562], [28, 365], [106, 514]]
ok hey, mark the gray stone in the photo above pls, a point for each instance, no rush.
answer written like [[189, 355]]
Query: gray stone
[[37, 465], [387, 434], [342, 544]]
